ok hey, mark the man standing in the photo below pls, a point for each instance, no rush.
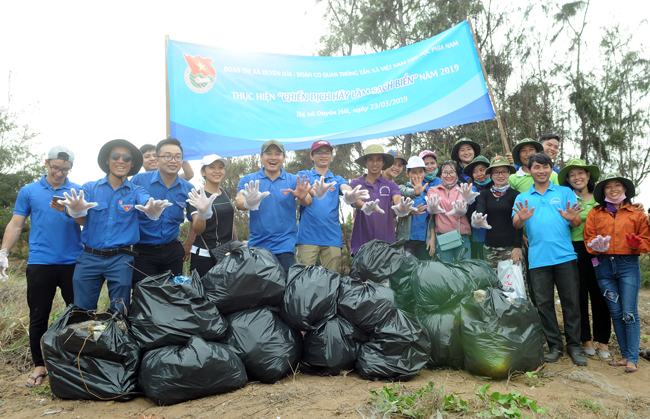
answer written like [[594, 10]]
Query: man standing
[[549, 211], [522, 179], [150, 162], [110, 222], [160, 248], [53, 246], [551, 146], [272, 222]]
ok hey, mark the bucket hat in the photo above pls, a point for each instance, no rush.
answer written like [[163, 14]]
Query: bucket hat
[[454, 151], [573, 164], [105, 152], [500, 161], [515, 151], [477, 160], [599, 193], [376, 149]]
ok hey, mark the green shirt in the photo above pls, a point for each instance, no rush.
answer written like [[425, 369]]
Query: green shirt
[[576, 232], [523, 183]]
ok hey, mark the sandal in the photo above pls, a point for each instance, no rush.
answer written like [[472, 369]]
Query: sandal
[[631, 369], [31, 377], [618, 364], [589, 350], [604, 353]]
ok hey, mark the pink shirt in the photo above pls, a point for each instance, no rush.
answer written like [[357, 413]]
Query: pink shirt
[[444, 223]]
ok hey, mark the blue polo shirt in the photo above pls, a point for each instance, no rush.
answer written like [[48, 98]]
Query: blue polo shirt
[[114, 221], [549, 234], [167, 227], [54, 237], [319, 223], [419, 222], [274, 225]]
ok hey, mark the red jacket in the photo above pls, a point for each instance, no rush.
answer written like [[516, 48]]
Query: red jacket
[[627, 220]]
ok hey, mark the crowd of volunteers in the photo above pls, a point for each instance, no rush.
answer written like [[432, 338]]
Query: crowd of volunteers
[[573, 229]]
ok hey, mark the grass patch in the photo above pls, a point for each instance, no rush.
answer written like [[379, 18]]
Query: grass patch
[[592, 405]]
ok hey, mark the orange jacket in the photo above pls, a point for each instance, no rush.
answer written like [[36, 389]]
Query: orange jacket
[[627, 220]]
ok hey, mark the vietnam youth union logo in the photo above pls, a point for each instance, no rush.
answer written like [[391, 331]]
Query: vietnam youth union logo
[[199, 74]]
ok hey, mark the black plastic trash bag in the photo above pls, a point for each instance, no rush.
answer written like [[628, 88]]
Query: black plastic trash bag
[[331, 348], [378, 261], [87, 363], [364, 303], [268, 347], [440, 285], [175, 374], [397, 351], [400, 282], [310, 296], [500, 336], [245, 278], [168, 314], [443, 329]]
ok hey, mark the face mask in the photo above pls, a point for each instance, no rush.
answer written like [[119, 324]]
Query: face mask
[[432, 176], [618, 201], [485, 182]]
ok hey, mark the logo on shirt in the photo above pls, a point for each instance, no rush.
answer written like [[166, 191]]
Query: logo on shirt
[[285, 191], [384, 191], [332, 189], [126, 207], [181, 204], [556, 201]]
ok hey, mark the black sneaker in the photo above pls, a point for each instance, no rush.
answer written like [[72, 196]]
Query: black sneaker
[[552, 355], [578, 357]]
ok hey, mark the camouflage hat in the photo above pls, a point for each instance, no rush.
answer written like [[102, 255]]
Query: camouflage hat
[[454, 151], [574, 164], [599, 193], [515, 151], [500, 161], [469, 169], [376, 149]]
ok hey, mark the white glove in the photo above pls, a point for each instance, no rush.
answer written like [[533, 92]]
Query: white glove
[[4, 264], [479, 220], [466, 192], [153, 208], [459, 208], [321, 188], [433, 205], [202, 203], [372, 206], [253, 195], [350, 197], [77, 205], [600, 244], [403, 208]]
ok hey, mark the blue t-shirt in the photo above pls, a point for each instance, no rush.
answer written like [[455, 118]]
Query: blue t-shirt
[[549, 235], [419, 222], [54, 238], [114, 221], [274, 225], [167, 227], [319, 223]]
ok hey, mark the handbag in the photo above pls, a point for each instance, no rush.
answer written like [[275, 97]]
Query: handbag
[[451, 240]]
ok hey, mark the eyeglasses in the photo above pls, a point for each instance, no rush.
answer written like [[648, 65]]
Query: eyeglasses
[[322, 153], [169, 157], [448, 173], [56, 169], [125, 157], [499, 173]]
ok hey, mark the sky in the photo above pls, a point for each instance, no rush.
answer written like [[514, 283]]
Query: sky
[[86, 72]]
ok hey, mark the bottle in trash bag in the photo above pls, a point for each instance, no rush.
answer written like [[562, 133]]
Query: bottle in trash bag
[[180, 279]]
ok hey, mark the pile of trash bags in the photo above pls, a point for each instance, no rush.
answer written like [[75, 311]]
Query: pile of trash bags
[[249, 320]]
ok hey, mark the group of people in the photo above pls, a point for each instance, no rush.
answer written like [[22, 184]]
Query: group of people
[[581, 236]]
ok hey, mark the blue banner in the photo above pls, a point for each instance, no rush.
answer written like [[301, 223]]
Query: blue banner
[[230, 102]]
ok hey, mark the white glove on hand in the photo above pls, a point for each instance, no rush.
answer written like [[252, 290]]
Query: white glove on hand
[[321, 188], [600, 244], [202, 203], [433, 205], [350, 197], [459, 208], [253, 195], [479, 220], [4, 264], [403, 208], [466, 192], [77, 205], [153, 208], [372, 206]]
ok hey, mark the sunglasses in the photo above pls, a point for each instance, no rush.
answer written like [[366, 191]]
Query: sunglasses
[[125, 157]]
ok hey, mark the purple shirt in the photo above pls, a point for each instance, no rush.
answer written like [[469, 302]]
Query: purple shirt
[[376, 225]]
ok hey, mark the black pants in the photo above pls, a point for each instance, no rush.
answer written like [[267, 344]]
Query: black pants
[[202, 264], [153, 260], [544, 281], [42, 281], [589, 290], [418, 249]]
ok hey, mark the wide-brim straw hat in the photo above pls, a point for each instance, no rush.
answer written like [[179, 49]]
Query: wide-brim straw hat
[[376, 149]]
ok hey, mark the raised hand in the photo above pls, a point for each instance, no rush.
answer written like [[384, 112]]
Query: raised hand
[[404, 207], [433, 205], [416, 183], [458, 208], [466, 192], [350, 197], [600, 244], [523, 211], [202, 203], [77, 205], [633, 240], [253, 196], [479, 220], [372, 206], [302, 188], [321, 188], [571, 212], [153, 208]]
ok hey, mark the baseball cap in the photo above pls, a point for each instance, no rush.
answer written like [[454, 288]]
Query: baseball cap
[[319, 144], [211, 158], [397, 155], [425, 153], [415, 161], [269, 143], [62, 153]]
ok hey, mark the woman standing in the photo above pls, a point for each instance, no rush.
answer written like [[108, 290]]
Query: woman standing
[[464, 151], [398, 165], [479, 179], [430, 167], [581, 178], [212, 213], [617, 234]]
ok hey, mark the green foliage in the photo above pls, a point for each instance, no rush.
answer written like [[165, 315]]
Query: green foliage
[[506, 405], [394, 400], [44, 390], [592, 405]]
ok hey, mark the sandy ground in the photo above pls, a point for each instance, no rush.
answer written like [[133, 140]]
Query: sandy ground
[[562, 387]]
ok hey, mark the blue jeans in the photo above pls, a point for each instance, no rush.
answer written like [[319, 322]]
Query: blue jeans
[[450, 255], [89, 275], [286, 259], [619, 279]]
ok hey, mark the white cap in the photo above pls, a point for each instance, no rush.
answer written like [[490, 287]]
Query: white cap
[[209, 159], [414, 162]]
